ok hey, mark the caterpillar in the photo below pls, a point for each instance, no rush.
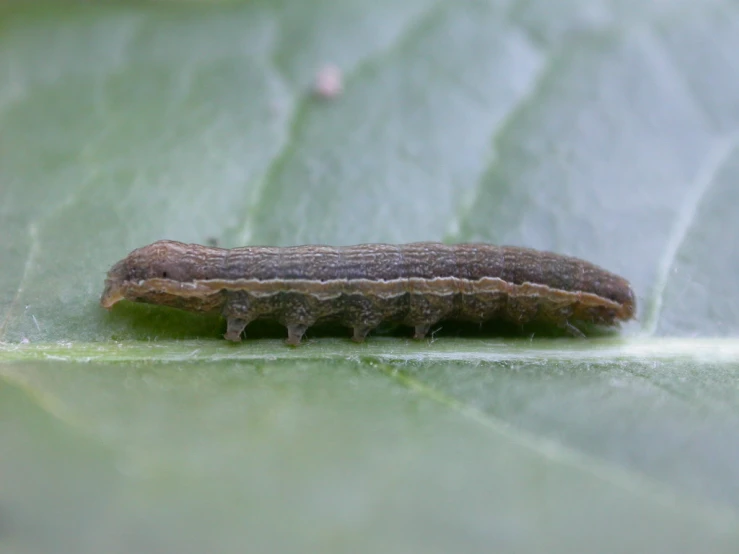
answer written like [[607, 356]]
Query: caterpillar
[[416, 284]]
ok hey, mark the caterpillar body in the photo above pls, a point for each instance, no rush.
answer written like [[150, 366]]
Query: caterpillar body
[[417, 284]]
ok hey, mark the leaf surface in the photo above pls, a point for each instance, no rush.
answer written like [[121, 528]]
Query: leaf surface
[[606, 130]]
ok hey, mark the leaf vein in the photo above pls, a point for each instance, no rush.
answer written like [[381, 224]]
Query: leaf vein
[[706, 177], [301, 110], [497, 136], [633, 482]]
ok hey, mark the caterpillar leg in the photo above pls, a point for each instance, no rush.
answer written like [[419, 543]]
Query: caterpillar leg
[[425, 311], [361, 332], [421, 330], [234, 328], [295, 333], [572, 330]]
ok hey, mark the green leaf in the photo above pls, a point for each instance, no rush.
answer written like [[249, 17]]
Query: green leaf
[[605, 129]]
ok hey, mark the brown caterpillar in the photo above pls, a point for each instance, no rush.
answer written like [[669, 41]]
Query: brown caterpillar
[[361, 286]]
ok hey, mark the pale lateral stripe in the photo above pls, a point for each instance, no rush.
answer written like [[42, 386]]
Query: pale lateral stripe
[[334, 288]]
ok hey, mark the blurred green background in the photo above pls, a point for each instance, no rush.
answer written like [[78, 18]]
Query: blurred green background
[[605, 129]]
